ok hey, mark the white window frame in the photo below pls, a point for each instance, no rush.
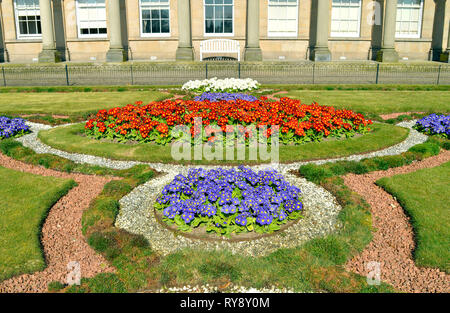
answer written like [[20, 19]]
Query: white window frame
[[419, 32], [16, 18], [169, 34], [217, 34], [347, 35], [277, 34], [80, 35]]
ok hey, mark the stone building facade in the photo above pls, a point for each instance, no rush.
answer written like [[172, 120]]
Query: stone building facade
[[269, 30]]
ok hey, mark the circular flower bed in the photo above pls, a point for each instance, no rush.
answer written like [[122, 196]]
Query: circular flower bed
[[227, 201], [434, 124], [297, 122], [12, 127]]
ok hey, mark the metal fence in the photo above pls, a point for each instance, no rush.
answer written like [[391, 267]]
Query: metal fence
[[266, 73]]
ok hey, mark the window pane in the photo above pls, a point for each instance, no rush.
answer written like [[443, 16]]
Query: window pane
[[209, 12], [218, 26], [156, 28], [228, 26], [164, 26], [155, 14], [228, 12], [209, 25], [146, 14]]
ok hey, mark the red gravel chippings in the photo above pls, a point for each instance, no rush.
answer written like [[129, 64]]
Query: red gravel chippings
[[393, 240], [62, 239]]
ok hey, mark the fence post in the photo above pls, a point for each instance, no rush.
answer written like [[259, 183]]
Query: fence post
[[67, 76], [4, 77], [206, 70], [131, 73], [314, 73], [439, 74], [378, 72]]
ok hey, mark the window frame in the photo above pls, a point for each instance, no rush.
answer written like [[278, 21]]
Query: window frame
[[276, 34], [346, 35], [218, 34], [16, 21], [419, 28], [150, 35], [80, 35]]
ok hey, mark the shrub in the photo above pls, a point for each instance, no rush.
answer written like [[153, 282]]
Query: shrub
[[106, 283], [427, 149], [117, 188], [100, 242], [55, 286], [315, 173]]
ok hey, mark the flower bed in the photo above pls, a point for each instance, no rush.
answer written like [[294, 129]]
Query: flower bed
[[221, 85], [12, 127], [298, 122], [434, 124], [227, 201], [219, 96]]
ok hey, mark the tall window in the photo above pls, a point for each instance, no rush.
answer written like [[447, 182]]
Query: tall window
[[155, 19], [409, 18], [91, 18], [218, 17], [28, 18], [282, 18], [345, 18]]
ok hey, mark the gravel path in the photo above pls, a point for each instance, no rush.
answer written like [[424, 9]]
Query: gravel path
[[62, 239], [393, 241], [31, 141]]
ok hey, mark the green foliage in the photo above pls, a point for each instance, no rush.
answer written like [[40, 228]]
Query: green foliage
[[426, 149], [117, 187], [55, 286], [315, 173]]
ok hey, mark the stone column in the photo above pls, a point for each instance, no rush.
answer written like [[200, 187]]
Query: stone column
[[445, 56], [320, 51], [387, 52], [116, 52], [184, 51], [49, 52], [252, 49], [438, 30]]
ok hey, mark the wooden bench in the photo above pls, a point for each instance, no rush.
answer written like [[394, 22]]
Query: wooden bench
[[220, 46]]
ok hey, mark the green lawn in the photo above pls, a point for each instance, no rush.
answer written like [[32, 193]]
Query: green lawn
[[24, 203], [69, 139], [71, 103], [375, 101], [424, 196]]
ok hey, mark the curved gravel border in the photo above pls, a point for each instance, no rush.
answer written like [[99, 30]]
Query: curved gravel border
[[137, 216], [393, 241], [31, 141], [62, 239]]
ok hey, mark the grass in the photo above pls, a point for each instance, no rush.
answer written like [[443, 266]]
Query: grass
[[71, 103], [69, 139], [424, 196], [377, 101], [25, 200]]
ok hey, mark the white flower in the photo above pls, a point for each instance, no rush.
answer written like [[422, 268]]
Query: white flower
[[215, 84]]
